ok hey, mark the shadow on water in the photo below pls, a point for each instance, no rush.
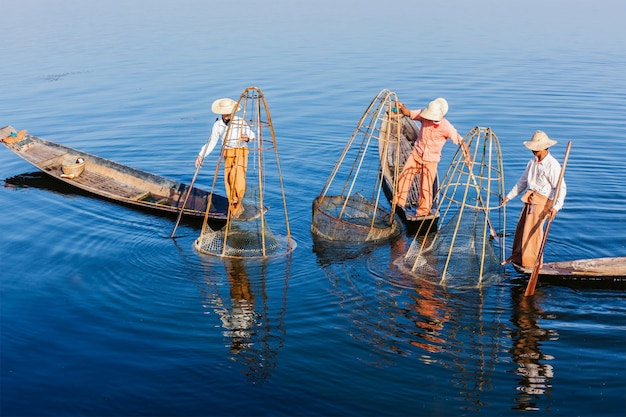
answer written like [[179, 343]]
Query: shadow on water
[[251, 311]]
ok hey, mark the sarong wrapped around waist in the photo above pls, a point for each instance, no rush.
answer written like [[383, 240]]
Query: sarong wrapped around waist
[[533, 198]]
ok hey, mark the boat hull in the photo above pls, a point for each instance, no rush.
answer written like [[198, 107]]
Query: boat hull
[[117, 182], [607, 272]]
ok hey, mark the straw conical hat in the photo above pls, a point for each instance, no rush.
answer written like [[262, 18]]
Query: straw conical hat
[[539, 141], [436, 110], [224, 106]]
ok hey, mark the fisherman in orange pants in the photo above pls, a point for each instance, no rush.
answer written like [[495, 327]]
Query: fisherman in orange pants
[[235, 150], [426, 153]]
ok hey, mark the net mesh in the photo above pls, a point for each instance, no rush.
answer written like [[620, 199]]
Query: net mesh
[[241, 239], [353, 219], [461, 253]]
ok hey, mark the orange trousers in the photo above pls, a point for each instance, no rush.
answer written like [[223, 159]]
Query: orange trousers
[[529, 231], [427, 171], [235, 167]]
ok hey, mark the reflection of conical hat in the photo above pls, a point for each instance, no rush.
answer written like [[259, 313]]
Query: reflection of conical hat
[[539, 141], [224, 106], [436, 110]]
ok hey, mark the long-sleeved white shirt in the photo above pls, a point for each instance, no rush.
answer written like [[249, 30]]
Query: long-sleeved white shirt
[[541, 177], [238, 129]]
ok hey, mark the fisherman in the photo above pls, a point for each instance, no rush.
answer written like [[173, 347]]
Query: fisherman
[[540, 177], [235, 150], [426, 152]]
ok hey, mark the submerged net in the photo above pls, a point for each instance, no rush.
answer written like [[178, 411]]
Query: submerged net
[[353, 219], [460, 253], [252, 238]]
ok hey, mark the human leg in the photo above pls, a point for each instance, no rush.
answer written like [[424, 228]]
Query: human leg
[[406, 177], [427, 177], [529, 230], [239, 178]]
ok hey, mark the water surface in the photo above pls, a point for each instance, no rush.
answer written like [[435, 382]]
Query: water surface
[[103, 314]]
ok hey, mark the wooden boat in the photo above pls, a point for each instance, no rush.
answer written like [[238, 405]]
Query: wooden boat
[[111, 180], [392, 163], [593, 269]]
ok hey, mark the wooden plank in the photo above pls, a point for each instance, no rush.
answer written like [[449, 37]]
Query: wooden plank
[[595, 267]]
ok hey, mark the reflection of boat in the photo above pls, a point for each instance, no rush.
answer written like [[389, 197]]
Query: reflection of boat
[[111, 180], [392, 166], [594, 269]]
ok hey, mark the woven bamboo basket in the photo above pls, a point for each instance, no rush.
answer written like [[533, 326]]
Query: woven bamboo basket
[[74, 169]]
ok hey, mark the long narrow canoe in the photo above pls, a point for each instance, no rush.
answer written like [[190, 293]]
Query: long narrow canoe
[[614, 267], [392, 163], [111, 180]]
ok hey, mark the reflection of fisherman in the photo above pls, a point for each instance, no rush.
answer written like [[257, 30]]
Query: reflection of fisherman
[[431, 313], [235, 150], [540, 177], [242, 318], [526, 351]]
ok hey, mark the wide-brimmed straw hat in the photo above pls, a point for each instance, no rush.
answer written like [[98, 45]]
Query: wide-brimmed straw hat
[[539, 141], [436, 110], [224, 106]]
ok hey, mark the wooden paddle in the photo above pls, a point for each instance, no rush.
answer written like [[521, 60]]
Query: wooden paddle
[[182, 208], [534, 276]]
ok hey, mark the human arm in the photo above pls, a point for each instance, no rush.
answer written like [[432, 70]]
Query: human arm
[[553, 179], [403, 109], [466, 152], [208, 147], [411, 114]]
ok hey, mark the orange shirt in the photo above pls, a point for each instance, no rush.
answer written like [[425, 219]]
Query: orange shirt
[[432, 137]]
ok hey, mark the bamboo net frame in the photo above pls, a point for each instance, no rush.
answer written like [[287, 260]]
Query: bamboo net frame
[[351, 206], [248, 234], [469, 243]]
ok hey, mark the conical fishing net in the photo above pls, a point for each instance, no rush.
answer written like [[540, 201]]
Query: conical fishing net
[[352, 206], [247, 170], [468, 248]]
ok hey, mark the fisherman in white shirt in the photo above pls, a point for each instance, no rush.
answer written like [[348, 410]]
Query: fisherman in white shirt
[[540, 179], [235, 150]]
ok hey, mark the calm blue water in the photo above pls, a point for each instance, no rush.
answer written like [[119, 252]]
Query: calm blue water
[[102, 314]]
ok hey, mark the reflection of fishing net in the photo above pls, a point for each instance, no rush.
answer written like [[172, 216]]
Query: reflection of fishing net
[[352, 206], [241, 239], [353, 219]]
